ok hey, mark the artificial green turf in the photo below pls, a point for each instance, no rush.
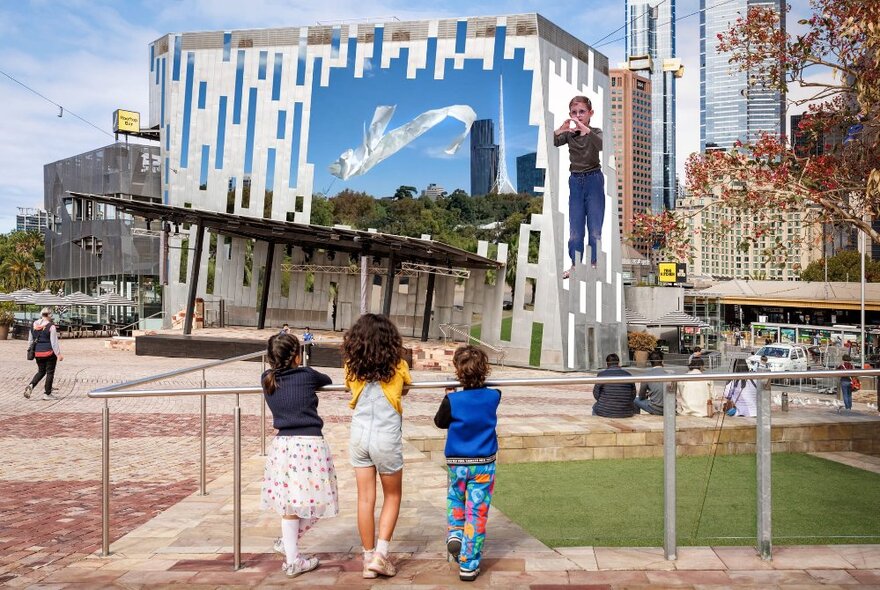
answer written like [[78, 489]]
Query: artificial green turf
[[619, 503]]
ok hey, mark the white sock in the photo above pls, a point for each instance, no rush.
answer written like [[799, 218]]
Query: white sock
[[382, 547], [368, 554], [289, 535]]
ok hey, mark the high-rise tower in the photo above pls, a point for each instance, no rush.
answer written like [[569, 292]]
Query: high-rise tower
[[650, 33], [730, 109]]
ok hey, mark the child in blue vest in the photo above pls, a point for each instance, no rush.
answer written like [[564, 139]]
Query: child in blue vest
[[470, 415]]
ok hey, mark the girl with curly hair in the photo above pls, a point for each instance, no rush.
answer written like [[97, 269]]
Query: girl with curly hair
[[299, 481], [377, 376]]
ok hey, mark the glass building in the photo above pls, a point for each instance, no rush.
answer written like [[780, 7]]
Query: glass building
[[484, 157], [730, 110], [28, 219], [529, 178], [650, 31]]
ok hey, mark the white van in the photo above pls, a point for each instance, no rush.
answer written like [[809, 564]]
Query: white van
[[781, 357]]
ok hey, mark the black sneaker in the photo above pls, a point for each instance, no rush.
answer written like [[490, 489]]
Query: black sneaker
[[453, 546], [28, 390], [468, 575]]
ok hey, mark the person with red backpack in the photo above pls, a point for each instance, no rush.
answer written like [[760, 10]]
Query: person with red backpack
[[47, 352]]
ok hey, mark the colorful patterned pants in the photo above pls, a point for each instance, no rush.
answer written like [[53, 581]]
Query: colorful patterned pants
[[467, 509]]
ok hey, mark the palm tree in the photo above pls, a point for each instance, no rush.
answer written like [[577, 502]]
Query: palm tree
[[19, 272], [27, 242]]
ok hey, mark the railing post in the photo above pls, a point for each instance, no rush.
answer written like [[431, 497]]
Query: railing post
[[203, 434], [236, 486], [670, 543], [763, 475], [263, 416], [105, 479]]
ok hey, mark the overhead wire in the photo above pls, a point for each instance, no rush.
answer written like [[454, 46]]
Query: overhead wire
[[675, 20], [50, 101]]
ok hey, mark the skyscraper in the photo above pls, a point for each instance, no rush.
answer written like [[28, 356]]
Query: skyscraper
[[631, 130], [528, 176], [730, 110], [650, 31], [484, 157]]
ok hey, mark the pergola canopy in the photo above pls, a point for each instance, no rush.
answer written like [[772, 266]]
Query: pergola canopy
[[339, 239]]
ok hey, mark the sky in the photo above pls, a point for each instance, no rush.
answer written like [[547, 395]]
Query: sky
[[92, 57]]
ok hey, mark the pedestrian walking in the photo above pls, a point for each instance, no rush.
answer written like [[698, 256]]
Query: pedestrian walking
[[43, 336]]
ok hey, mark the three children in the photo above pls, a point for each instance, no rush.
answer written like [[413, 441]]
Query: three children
[[300, 479]]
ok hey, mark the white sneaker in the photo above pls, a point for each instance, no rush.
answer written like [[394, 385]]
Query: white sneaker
[[300, 565], [49, 397]]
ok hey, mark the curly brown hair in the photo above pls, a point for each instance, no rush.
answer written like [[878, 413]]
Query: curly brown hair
[[471, 366], [280, 352], [372, 349]]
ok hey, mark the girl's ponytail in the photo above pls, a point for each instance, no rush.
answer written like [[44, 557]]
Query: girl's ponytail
[[280, 352]]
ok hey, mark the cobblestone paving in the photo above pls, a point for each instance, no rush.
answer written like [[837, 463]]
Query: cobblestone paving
[[165, 535]]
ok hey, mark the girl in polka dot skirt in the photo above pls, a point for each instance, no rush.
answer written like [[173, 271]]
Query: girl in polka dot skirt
[[299, 482]]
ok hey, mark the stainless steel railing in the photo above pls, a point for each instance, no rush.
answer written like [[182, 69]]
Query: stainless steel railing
[[763, 448]]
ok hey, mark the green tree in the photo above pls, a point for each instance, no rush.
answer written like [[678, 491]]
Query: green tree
[[405, 192], [843, 266], [18, 271], [322, 210], [356, 209]]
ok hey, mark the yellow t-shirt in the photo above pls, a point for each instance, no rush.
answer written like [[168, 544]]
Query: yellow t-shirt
[[393, 389]]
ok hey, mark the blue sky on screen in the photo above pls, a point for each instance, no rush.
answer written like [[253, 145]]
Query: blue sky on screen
[[423, 161], [92, 57]]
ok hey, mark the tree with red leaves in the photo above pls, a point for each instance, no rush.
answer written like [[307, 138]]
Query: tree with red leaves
[[838, 60]]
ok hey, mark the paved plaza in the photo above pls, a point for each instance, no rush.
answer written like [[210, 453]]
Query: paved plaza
[[165, 535]]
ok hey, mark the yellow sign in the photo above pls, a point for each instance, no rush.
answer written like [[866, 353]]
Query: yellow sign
[[126, 121], [667, 272]]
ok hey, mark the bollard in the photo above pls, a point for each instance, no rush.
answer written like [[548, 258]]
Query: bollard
[[784, 401]]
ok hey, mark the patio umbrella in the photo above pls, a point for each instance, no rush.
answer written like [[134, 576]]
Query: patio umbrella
[[80, 298], [47, 299], [21, 296], [114, 299], [634, 317]]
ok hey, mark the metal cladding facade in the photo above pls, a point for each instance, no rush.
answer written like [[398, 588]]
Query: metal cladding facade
[[250, 120], [92, 241]]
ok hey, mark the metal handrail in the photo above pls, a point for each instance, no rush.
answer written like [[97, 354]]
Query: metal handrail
[[669, 442], [454, 328], [137, 321], [115, 390]]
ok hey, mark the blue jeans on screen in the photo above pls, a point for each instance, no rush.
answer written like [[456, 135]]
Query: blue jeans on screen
[[846, 392], [586, 211]]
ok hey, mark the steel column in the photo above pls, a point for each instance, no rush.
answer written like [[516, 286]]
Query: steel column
[[105, 479], [429, 303], [236, 486], [670, 543], [194, 281], [264, 296], [389, 284], [763, 474]]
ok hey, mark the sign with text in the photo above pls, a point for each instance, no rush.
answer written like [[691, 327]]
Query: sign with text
[[126, 121], [672, 272]]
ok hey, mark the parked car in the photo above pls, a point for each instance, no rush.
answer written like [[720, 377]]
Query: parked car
[[781, 357]]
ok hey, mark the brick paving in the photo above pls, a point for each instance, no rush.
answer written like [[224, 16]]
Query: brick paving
[[166, 535]]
